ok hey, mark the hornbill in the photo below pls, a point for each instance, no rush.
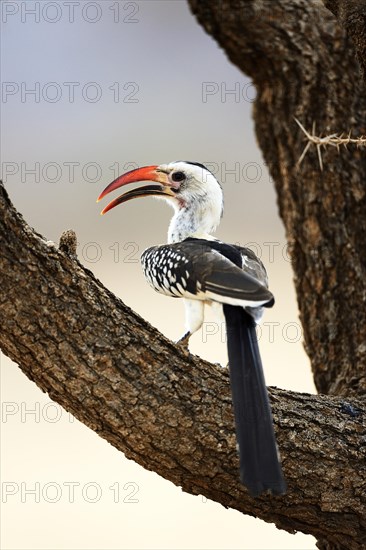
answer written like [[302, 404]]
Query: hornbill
[[203, 271]]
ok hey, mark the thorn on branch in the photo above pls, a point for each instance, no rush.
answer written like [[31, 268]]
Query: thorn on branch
[[68, 243], [334, 140]]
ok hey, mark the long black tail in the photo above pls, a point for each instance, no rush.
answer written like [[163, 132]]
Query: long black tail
[[260, 467]]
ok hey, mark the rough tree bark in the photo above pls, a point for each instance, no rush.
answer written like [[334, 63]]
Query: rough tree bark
[[351, 15], [107, 366]]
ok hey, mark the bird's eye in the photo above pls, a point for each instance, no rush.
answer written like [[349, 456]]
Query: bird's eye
[[178, 176]]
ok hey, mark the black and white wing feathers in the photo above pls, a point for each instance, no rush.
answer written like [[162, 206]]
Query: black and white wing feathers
[[206, 270]]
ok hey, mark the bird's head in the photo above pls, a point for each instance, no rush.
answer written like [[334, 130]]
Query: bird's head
[[185, 185]]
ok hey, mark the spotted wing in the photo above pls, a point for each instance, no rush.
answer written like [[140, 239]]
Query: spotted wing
[[205, 270]]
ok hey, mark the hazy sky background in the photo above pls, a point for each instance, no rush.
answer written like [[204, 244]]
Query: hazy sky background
[[89, 90]]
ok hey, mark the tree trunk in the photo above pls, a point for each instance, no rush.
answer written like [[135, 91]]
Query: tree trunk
[[304, 66], [107, 366]]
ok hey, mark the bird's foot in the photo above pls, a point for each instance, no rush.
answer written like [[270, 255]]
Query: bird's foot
[[184, 340]]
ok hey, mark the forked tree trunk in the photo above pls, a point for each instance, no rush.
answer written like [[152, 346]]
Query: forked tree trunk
[[107, 366]]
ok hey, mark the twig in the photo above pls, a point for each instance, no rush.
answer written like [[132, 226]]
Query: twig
[[334, 140]]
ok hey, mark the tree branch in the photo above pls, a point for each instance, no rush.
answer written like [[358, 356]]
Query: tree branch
[[162, 407]]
